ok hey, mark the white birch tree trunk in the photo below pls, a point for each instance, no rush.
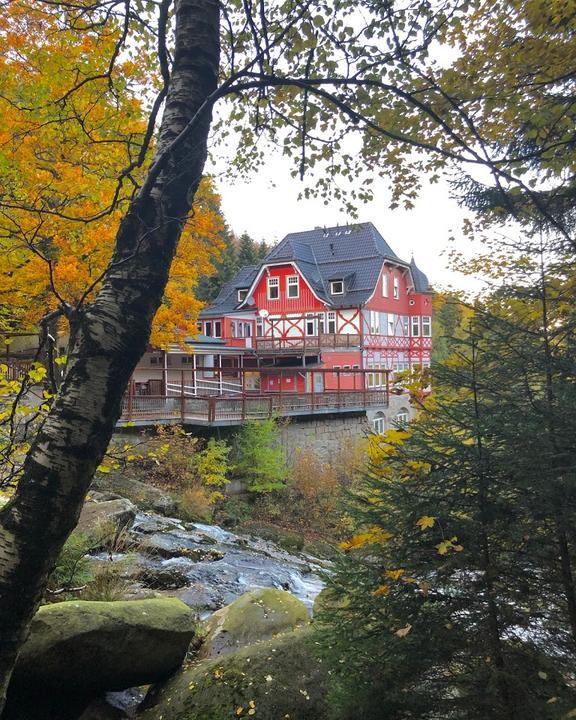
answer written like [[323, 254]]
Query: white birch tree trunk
[[108, 338]]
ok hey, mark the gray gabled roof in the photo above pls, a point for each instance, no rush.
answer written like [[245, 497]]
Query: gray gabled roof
[[353, 253], [227, 299]]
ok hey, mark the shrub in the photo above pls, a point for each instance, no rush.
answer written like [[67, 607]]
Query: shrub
[[259, 458], [194, 471], [211, 466], [234, 511], [108, 583], [170, 459], [73, 568], [196, 504], [312, 491]]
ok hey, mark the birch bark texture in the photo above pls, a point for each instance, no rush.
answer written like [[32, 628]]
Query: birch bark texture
[[108, 336]]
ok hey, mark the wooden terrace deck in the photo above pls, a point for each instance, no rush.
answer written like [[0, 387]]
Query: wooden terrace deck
[[199, 404]]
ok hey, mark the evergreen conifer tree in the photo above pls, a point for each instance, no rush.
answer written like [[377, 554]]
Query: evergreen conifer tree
[[247, 251], [455, 597]]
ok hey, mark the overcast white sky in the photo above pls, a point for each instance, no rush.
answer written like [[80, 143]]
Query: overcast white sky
[[268, 208]]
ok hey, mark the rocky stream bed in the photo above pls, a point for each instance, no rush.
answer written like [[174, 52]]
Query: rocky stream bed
[[208, 567], [98, 660]]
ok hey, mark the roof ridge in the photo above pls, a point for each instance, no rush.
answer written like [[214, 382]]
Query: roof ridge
[[318, 269]]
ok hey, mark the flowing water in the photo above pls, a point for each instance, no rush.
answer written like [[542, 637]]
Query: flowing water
[[218, 565]]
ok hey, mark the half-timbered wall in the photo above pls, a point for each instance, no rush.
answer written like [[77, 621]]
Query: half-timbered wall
[[396, 323]]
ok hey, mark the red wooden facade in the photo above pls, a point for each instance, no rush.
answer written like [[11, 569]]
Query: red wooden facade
[[390, 332], [324, 321]]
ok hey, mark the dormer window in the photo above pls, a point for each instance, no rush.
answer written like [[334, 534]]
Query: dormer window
[[337, 287], [293, 286], [242, 295], [273, 285]]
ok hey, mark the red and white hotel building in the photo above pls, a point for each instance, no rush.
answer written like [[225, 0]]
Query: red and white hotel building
[[320, 326]]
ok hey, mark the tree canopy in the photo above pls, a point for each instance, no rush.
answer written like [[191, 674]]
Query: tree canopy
[[63, 149]]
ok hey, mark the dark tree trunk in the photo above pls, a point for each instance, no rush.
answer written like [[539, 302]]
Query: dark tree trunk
[[108, 338]]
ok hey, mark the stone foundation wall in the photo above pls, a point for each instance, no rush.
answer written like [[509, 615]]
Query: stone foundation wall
[[398, 404], [326, 435]]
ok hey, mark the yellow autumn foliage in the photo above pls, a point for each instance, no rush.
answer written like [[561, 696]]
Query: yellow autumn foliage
[[373, 536], [62, 152]]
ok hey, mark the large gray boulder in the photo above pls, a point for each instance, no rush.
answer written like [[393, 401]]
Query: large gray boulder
[[256, 615], [79, 649], [101, 519], [142, 494], [271, 680]]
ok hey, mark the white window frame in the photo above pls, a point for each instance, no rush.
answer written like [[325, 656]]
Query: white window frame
[[217, 328], [426, 326], [385, 284], [233, 328], [331, 322], [242, 294], [334, 283], [379, 424], [208, 328], [272, 282], [259, 327], [396, 290], [406, 325], [311, 318], [415, 325], [374, 322], [293, 281], [247, 329], [402, 417], [391, 325]]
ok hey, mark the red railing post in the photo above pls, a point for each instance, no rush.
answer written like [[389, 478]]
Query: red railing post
[[131, 388], [312, 386], [364, 387]]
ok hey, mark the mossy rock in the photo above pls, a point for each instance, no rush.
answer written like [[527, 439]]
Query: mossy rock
[[172, 545], [79, 649], [256, 615], [101, 520], [279, 678], [142, 494], [286, 539]]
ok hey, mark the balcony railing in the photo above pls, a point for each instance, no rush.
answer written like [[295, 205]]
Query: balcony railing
[[306, 343], [231, 402], [17, 369]]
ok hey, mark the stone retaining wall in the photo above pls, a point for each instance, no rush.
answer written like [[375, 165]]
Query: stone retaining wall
[[326, 435]]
